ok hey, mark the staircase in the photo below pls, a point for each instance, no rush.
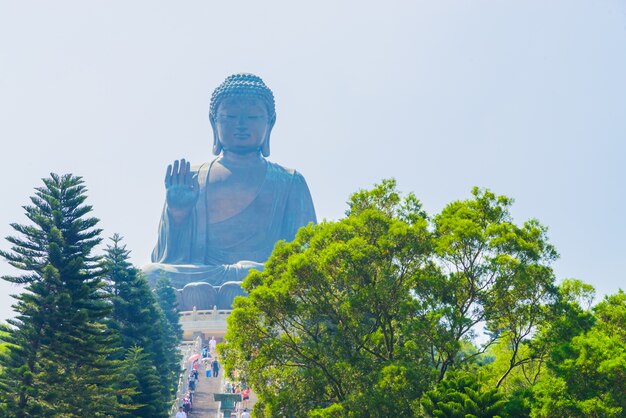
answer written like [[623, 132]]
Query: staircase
[[203, 401]]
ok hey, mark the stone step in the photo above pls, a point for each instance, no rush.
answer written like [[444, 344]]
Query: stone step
[[204, 404]]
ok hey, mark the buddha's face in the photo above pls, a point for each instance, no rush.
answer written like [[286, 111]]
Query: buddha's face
[[242, 124]]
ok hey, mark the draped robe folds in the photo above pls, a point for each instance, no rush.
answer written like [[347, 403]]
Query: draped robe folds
[[216, 253]]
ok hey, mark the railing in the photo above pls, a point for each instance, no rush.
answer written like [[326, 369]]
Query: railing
[[187, 348], [204, 315]]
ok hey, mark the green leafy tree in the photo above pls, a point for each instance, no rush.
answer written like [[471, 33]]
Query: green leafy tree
[[323, 331], [361, 316], [588, 373], [489, 271], [568, 317], [57, 362]]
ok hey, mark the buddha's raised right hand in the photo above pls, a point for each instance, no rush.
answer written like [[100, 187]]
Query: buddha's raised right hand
[[182, 189]]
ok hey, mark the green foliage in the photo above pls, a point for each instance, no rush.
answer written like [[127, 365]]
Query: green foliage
[[374, 315], [57, 362], [577, 293], [361, 316], [326, 322], [142, 382], [588, 372], [166, 298], [490, 271], [140, 322], [460, 395], [80, 345], [524, 375], [5, 333]]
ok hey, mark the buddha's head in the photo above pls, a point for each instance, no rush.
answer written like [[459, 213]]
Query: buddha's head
[[242, 115]]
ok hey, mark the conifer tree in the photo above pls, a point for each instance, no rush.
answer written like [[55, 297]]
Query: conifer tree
[[146, 399], [135, 312], [139, 321], [57, 362], [166, 298]]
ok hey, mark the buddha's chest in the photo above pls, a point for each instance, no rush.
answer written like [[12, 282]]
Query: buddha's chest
[[232, 189]]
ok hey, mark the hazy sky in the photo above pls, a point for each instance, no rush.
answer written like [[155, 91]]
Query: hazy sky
[[525, 98]]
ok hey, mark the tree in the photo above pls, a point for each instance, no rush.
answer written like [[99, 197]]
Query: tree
[[139, 322], [588, 373], [5, 333], [57, 362], [143, 385], [172, 330], [487, 270], [361, 316], [324, 328], [166, 298], [461, 395]]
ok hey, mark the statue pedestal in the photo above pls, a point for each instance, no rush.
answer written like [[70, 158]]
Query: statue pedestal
[[227, 402], [208, 323]]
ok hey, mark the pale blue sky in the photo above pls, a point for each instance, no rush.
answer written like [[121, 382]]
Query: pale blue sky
[[525, 98]]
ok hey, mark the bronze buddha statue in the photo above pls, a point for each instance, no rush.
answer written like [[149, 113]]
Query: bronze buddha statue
[[223, 218]]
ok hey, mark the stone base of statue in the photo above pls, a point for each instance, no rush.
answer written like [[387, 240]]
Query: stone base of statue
[[194, 288], [203, 296], [204, 323]]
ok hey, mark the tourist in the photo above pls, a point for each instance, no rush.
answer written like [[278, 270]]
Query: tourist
[[244, 414], [212, 345], [215, 366], [183, 414], [245, 395]]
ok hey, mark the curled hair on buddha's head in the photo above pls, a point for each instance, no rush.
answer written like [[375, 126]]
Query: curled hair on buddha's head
[[246, 86]]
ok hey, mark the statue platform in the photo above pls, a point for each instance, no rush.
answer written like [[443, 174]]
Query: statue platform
[[204, 323]]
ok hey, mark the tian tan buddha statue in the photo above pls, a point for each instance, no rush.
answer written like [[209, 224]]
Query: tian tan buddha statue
[[222, 218]]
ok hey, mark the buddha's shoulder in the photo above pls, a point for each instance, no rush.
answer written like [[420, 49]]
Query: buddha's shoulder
[[279, 170], [275, 170], [195, 168]]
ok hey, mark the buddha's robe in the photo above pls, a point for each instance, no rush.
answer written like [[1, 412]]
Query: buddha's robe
[[216, 253]]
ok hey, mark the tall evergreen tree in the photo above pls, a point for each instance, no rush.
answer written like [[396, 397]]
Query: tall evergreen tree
[[142, 378], [57, 362], [135, 314], [140, 321], [166, 298]]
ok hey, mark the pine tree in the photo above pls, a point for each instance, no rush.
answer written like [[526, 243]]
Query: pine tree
[[142, 378], [139, 320], [57, 362], [166, 298], [135, 312]]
